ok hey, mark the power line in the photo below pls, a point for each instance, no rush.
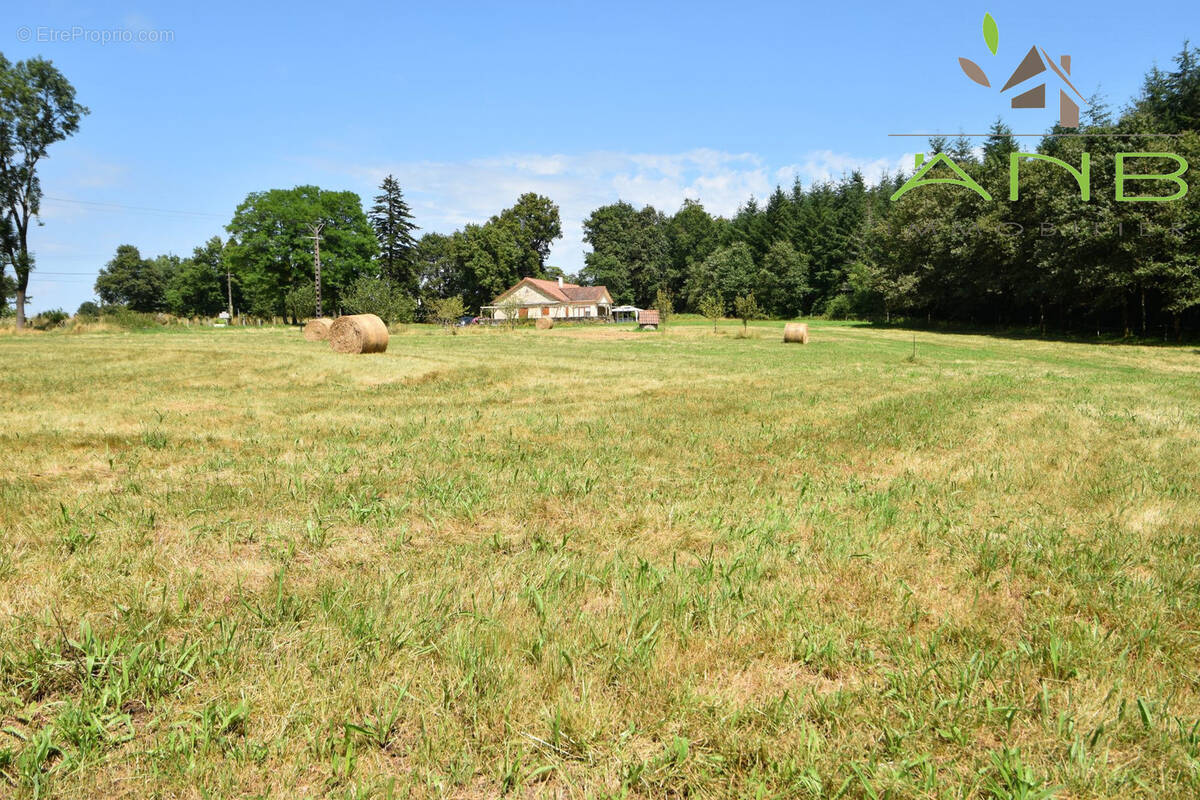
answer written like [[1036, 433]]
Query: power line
[[84, 278], [119, 206]]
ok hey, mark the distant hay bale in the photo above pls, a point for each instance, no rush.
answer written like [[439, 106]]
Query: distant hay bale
[[358, 333], [317, 330], [544, 323], [795, 333]]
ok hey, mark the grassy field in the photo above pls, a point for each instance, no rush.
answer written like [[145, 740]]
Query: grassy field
[[597, 563]]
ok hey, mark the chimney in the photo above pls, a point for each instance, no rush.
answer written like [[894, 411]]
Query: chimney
[[560, 283]]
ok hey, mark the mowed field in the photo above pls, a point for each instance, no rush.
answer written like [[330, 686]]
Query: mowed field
[[595, 563]]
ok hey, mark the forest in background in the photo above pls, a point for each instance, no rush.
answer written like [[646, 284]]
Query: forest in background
[[1047, 260]]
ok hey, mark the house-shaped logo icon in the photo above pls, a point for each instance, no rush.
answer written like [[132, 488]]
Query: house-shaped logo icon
[[1036, 62]]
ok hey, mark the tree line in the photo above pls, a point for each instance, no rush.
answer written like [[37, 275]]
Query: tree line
[[1050, 259], [1047, 258], [370, 261], [266, 267]]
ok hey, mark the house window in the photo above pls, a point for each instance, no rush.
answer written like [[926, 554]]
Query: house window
[[545, 311]]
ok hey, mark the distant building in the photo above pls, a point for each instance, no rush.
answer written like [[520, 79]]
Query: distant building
[[532, 298], [648, 320], [625, 313]]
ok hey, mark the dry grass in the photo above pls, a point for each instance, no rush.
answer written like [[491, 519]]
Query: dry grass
[[598, 563]]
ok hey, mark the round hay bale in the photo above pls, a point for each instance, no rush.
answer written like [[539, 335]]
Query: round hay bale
[[544, 323], [317, 330], [795, 333], [358, 333]]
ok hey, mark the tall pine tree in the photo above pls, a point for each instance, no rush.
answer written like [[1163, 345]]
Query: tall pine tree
[[392, 220]]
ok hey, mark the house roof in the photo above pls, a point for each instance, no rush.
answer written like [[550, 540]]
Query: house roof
[[549, 288], [585, 294], [567, 293]]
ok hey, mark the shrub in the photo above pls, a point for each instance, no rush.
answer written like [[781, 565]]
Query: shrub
[[381, 297], [839, 307], [510, 309], [88, 310], [446, 311], [712, 307], [746, 308], [664, 303], [54, 318], [122, 317], [301, 302]]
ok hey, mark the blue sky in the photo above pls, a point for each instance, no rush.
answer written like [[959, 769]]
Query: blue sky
[[471, 104]]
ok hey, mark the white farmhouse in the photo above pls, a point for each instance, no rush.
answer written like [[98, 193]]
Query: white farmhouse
[[532, 298]]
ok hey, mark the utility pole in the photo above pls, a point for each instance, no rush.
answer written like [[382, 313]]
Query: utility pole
[[228, 278], [316, 237]]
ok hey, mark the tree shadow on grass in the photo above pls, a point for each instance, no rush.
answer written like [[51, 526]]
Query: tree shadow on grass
[[1026, 334]]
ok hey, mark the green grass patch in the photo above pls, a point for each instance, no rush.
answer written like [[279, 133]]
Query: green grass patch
[[594, 562]]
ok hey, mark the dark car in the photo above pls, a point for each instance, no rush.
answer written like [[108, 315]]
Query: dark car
[[466, 320]]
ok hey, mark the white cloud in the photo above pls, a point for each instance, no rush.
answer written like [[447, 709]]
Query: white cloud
[[826, 165], [447, 195]]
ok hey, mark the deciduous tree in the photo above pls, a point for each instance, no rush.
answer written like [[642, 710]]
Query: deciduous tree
[[37, 109], [746, 308], [446, 310], [712, 308], [664, 303], [135, 282], [272, 250], [198, 286]]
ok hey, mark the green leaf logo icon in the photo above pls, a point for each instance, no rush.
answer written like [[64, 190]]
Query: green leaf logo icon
[[990, 34]]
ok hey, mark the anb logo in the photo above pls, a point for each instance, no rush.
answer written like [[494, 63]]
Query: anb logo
[[1034, 64], [1038, 63]]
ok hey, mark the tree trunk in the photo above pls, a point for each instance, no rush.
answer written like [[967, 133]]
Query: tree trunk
[[1125, 317], [1143, 312], [20, 308]]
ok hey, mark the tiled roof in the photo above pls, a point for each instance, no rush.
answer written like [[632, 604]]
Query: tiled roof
[[584, 294], [550, 288], [567, 293]]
